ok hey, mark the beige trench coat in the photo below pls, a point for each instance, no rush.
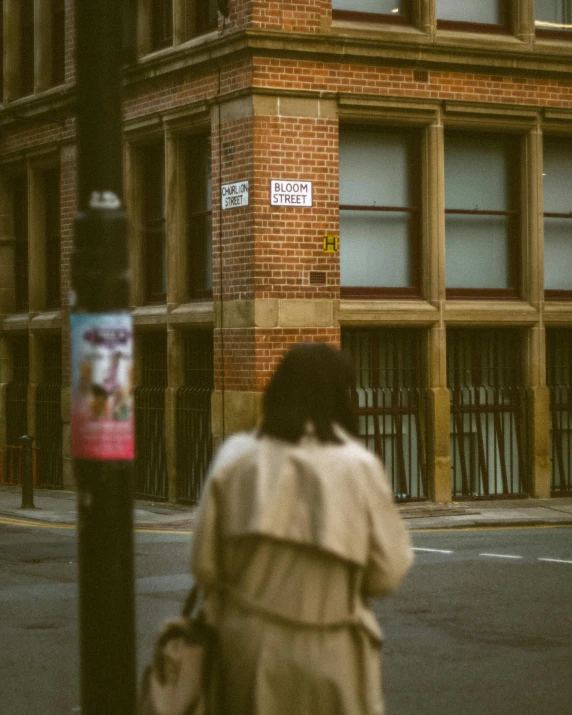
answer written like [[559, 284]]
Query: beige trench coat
[[298, 536]]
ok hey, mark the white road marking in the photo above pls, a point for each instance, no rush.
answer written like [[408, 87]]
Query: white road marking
[[437, 551], [557, 561], [503, 556]]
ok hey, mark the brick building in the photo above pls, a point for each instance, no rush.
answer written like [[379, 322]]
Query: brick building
[[433, 137]]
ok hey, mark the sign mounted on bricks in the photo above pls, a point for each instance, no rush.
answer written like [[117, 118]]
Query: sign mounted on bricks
[[291, 192], [234, 195]]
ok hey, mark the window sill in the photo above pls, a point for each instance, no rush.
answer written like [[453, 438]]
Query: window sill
[[495, 312]]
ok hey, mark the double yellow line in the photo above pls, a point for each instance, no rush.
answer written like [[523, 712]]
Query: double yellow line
[[9, 521]]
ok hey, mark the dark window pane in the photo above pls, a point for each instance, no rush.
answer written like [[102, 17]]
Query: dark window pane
[[26, 47], [53, 238], [161, 24], [58, 41], [200, 16], [20, 224], [154, 235], [199, 215]]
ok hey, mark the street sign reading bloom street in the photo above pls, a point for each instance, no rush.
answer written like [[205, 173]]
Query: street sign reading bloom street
[[290, 192]]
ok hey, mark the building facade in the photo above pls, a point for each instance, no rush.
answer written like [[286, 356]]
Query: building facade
[[391, 176]]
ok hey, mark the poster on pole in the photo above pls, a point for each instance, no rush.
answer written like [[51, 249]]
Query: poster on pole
[[102, 421]]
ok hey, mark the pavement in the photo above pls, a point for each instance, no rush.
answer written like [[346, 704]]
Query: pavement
[[58, 507]]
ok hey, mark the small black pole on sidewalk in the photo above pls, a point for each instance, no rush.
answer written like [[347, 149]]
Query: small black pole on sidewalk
[[101, 368], [26, 442]]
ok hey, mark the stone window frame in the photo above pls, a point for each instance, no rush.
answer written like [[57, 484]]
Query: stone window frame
[[47, 68], [556, 123], [414, 141], [180, 130], [423, 117], [174, 129], [183, 14]]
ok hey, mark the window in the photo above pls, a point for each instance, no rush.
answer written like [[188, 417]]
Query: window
[[52, 237], [20, 228], [490, 14], [379, 212], [58, 36], [164, 23], [26, 47], [199, 17], [161, 24], [371, 10], [553, 15], [557, 216], [481, 214], [154, 234], [199, 215]]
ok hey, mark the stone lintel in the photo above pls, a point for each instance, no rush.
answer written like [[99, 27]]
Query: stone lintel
[[276, 313]]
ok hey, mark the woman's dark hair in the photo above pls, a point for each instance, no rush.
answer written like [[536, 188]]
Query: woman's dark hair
[[311, 384]]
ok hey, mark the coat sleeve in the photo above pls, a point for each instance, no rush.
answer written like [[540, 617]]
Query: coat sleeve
[[390, 552], [205, 561]]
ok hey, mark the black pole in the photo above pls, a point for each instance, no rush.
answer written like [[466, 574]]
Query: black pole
[[101, 342]]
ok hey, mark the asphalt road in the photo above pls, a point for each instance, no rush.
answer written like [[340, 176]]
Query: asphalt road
[[470, 632]]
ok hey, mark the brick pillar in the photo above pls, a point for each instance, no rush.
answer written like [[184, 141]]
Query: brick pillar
[[273, 283]]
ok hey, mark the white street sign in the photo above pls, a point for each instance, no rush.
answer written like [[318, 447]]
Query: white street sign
[[234, 195], [290, 192]]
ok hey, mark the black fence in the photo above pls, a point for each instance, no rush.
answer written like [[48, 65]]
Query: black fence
[[194, 429], [488, 441], [489, 446], [391, 404], [559, 380], [151, 480]]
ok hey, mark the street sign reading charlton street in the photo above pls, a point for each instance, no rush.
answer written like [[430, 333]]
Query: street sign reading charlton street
[[290, 192], [235, 194]]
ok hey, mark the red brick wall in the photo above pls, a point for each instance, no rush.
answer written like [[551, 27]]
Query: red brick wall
[[398, 82], [292, 15], [289, 241]]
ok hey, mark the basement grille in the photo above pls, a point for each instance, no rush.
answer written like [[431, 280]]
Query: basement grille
[[317, 277]]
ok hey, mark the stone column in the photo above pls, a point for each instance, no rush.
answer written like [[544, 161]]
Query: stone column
[[439, 409], [535, 349]]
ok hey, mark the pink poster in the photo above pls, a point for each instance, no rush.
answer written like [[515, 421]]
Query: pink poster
[[102, 386]]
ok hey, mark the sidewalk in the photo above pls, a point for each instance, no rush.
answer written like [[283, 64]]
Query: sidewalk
[[59, 507]]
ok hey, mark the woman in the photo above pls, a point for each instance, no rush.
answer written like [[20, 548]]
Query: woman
[[296, 529]]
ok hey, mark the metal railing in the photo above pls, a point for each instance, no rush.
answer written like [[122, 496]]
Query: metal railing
[[392, 423], [194, 440], [194, 428], [11, 463], [151, 477], [561, 439], [488, 441], [49, 435]]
